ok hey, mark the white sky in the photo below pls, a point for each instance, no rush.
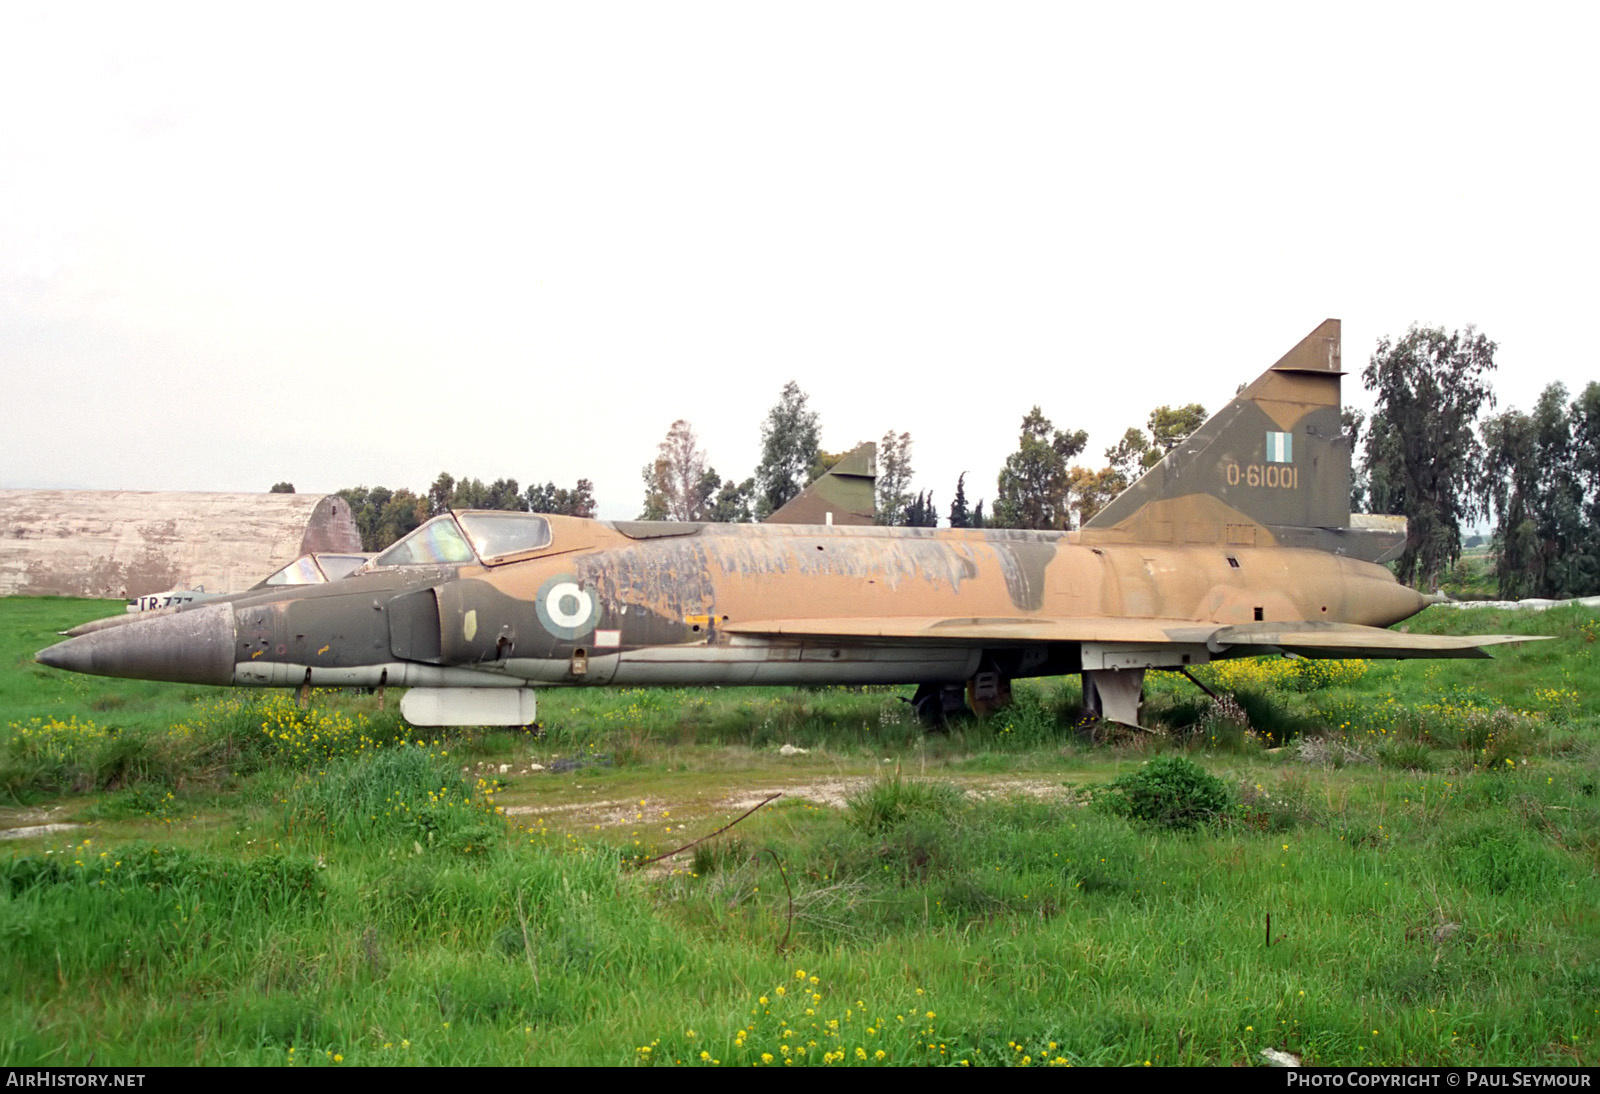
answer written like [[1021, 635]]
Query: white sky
[[363, 243]]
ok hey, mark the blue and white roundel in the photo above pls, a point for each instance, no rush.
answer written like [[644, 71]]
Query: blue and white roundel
[[566, 609]]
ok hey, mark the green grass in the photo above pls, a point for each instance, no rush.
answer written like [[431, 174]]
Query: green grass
[[1473, 576], [257, 883]]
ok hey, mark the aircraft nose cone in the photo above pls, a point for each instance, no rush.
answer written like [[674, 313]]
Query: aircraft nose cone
[[190, 647], [71, 655]]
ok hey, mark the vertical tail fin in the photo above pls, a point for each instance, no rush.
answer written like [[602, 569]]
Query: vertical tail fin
[[842, 495], [1272, 468]]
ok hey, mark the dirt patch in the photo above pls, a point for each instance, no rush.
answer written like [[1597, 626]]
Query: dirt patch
[[24, 823], [838, 792], [833, 792], [36, 830]]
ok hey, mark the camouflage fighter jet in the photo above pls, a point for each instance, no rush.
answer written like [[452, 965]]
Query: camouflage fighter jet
[[1240, 542]]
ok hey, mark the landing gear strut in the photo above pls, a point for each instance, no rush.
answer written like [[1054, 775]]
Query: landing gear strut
[[988, 692], [1113, 695], [937, 704]]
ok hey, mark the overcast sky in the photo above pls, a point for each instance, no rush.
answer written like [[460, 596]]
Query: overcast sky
[[362, 243]]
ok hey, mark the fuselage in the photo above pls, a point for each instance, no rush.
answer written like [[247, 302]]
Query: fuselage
[[729, 604], [1239, 541]]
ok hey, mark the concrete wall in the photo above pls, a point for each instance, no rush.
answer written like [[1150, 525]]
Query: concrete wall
[[125, 543]]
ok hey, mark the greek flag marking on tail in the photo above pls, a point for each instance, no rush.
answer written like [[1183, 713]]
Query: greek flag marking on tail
[[1280, 447]]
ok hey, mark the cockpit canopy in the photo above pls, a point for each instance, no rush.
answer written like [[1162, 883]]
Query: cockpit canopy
[[317, 569], [478, 535]]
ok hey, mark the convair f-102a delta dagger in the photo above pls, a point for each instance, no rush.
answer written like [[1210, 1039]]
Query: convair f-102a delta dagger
[[1240, 542]]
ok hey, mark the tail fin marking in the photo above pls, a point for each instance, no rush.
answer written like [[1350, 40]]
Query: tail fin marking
[[1270, 468]]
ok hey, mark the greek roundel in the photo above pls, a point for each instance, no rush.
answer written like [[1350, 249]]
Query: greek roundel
[[566, 609]]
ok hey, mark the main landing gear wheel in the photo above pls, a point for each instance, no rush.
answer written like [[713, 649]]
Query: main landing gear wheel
[[936, 704]]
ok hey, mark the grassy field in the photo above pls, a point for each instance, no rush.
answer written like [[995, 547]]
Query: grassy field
[[1473, 576], [248, 881]]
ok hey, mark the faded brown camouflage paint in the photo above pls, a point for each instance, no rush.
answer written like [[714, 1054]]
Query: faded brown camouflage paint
[[1239, 542]]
